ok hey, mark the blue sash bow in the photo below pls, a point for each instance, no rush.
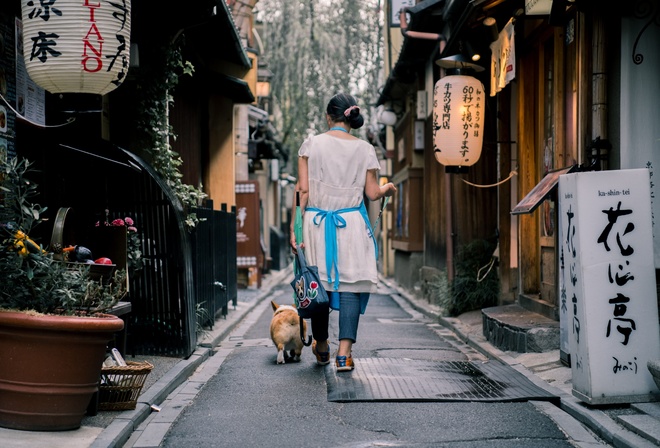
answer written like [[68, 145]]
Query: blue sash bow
[[334, 220]]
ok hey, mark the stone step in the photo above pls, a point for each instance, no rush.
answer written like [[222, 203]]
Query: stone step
[[652, 409], [514, 328], [643, 425]]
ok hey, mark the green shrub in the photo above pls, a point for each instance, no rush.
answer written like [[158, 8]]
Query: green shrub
[[474, 287], [439, 290]]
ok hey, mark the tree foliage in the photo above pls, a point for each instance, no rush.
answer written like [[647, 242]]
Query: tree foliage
[[316, 49]]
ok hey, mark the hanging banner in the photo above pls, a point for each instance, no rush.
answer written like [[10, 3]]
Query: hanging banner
[[608, 298], [503, 59]]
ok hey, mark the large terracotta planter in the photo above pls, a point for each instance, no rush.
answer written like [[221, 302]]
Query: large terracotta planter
[[50, 367]]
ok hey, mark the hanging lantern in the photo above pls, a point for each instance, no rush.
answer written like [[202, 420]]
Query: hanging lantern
[[77, 46], [458, 116]]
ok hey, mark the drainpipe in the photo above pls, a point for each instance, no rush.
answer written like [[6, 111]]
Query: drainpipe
[[449, 217], [600, 143]]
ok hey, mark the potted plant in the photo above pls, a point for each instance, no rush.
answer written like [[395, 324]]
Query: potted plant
[[53, 327]]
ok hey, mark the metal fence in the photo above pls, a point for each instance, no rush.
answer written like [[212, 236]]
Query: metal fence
[[214, 263], [183, 268]]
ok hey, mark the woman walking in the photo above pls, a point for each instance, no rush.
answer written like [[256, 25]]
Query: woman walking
[[336, 170]]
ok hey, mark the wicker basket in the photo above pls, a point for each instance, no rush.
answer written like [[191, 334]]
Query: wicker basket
[[121, 385]]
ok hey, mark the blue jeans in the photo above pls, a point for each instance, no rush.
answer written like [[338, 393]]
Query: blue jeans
[[349, 317]]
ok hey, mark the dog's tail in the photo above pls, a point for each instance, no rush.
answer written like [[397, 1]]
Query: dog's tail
[[302, 334]]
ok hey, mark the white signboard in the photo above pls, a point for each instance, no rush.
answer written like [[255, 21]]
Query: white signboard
[[538, 7], [30, 98], [609, 283]]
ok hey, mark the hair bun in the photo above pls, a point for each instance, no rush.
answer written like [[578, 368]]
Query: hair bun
[[355, 120]]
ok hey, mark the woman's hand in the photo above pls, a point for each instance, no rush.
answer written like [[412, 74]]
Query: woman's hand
[[293, 244], [388, 189]]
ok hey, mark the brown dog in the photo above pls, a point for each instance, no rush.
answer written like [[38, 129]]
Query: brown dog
[[285, 332]]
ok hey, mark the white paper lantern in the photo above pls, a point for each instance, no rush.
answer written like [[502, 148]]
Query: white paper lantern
[[78, 46], [458, 120]]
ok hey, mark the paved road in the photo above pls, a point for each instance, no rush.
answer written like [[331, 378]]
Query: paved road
[[241, 397]]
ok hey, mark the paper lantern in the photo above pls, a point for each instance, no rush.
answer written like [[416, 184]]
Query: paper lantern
[[458, 120], [78, 46]]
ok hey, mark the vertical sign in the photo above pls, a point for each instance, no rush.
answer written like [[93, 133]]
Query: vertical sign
[[609, 282], [30, 98], [248, 223], [567, 262]]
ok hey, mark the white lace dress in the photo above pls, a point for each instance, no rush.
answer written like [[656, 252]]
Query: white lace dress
[[337, 171]]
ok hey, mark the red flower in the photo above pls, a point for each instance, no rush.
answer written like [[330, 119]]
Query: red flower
[[313, 285]]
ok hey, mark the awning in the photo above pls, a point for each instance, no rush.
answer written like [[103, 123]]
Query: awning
[[255, 115], [230, 87], [207, 26], [455, 20], [218, 38], [425, 17]]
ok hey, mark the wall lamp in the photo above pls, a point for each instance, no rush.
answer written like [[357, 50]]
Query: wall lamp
[[493, 32], [467, 49]]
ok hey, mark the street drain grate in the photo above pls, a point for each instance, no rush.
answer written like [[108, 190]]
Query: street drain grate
[[388, 379]]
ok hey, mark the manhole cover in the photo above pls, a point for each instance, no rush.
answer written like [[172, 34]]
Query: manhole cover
[[389, 379]]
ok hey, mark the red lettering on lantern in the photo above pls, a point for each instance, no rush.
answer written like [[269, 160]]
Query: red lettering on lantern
[[93, 30], [86, 61], [91, 7], [93, 36]]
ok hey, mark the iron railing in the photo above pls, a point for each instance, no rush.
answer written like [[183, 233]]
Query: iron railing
[[214, 265], [181, 266]]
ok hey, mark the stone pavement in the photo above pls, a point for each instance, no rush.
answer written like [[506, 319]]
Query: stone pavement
[[629, 426], [633, 426]]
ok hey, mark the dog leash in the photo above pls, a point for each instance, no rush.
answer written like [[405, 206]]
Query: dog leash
[[302, 334], [387, 198]]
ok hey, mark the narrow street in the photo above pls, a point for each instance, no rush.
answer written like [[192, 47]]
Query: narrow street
[[241, 397]]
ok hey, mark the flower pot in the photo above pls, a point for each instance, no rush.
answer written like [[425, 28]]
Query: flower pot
[[50, 368]]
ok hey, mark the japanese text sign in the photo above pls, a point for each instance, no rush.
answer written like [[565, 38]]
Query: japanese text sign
[[608, 294], [458, 120]]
